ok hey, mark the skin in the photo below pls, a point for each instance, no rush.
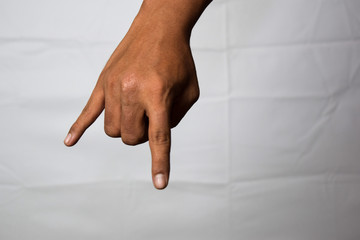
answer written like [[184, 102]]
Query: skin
[[149, 82]]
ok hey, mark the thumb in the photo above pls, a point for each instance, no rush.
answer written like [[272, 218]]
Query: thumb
[[160, 141], [89, 114]]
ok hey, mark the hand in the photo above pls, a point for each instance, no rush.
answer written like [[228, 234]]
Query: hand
[[146, 88]]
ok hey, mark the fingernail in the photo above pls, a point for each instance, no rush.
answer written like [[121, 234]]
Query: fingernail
[[67, 139], [160, 181]]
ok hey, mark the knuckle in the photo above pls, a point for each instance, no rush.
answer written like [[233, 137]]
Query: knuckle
[[129, 83], [160, 86], [87, 112], [160, 137], [111, 82], [112, 132], [112, 87], [132, 140], [76, 127], [195, 94], [111, 76], [175, 123]]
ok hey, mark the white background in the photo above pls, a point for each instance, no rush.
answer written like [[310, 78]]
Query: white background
[[270, 151]]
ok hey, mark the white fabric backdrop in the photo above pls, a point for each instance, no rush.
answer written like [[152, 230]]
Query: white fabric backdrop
[[270, 151]]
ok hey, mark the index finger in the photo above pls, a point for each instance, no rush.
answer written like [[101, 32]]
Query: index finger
[[160, 142]]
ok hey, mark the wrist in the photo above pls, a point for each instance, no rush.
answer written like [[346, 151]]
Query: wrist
[[173, 17]]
